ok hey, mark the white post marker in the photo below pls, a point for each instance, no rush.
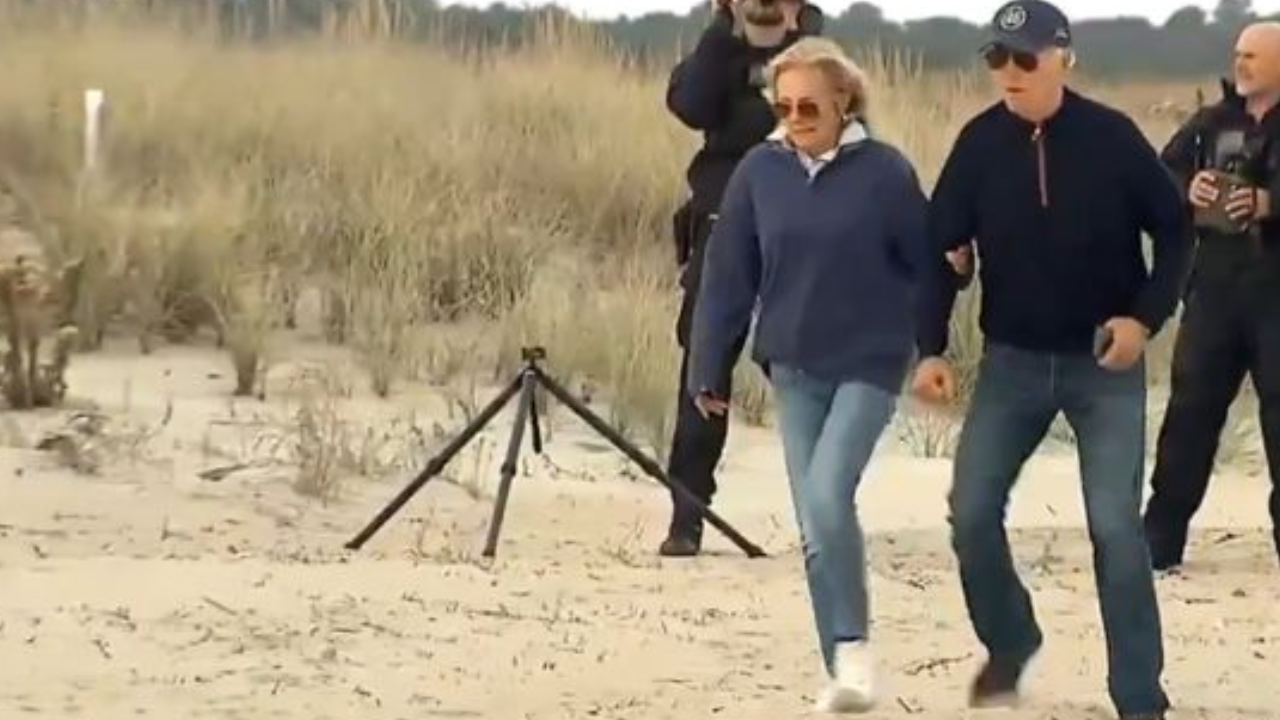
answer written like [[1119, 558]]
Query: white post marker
[[94, 103]]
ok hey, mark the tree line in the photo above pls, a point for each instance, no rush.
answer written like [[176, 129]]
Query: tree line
[[1189, 42]]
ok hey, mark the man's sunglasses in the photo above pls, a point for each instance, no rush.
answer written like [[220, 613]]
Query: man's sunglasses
[[804, 109], [997, 56]]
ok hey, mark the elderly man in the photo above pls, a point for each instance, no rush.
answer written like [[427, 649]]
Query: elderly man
[[1057, 190], [718, 90], [1231, 321]]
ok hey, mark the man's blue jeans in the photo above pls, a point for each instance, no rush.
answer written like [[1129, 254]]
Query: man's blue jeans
[[829, 432], [1018, 395]]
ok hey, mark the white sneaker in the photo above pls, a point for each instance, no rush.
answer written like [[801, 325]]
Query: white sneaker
[[853, 688]]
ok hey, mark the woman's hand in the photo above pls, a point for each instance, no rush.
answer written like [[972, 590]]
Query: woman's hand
[[708, 405]]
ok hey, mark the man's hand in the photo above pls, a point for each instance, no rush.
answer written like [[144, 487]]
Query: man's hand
[[934, 381], [708, 405], [1249, 204], [1204, 189], [1128, 341], [961, 260]]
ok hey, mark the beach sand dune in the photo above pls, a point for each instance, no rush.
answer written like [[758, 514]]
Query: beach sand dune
[[145, 590]]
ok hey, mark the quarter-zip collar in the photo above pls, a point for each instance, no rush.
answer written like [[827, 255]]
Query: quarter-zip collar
[[1036, 133], [1066, 110]]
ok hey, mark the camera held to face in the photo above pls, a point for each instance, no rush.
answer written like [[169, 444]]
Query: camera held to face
[[761, 13]]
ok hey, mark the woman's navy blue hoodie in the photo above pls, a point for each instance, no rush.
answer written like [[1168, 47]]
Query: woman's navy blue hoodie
[[829, 261]]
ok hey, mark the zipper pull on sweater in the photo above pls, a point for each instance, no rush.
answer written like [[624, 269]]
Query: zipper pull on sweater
[[1037, 137]]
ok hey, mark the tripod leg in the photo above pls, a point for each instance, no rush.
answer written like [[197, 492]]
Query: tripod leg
[[437, 463], [535, 428], [509, 462], [651, 467]]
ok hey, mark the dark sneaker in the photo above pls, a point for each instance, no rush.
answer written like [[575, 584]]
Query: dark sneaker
[[996, 684]]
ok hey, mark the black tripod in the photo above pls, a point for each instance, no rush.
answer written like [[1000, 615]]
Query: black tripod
[[530, 375]]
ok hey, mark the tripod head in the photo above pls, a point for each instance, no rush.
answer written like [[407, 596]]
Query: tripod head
[[533, 354]]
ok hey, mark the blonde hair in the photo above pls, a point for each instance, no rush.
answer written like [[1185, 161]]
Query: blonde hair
[[830, 59]]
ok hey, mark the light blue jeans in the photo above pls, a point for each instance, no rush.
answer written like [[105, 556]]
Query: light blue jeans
[[829, 432]]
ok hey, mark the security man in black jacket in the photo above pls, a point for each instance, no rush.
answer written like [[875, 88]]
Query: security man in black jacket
[[1231, 318], [718, 90]]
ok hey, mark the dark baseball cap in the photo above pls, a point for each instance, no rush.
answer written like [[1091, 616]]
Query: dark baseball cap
[[1029, 26]]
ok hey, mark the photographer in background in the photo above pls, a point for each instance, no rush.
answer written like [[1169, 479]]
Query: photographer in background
[[718, 90], [1231, 317]]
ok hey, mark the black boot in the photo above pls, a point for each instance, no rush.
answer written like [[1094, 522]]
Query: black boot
[[680, 544], [684, 538]]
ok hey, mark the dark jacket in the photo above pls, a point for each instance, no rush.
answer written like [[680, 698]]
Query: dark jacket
[[1058, 213], [1197, 145], [717, 90], [831, 262]]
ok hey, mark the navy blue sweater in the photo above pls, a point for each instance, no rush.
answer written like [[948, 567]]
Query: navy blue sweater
[[829, 262], [1057, 212]]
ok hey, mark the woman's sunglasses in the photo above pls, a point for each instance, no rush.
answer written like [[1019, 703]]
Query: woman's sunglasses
[[804, 109], [997, 56]]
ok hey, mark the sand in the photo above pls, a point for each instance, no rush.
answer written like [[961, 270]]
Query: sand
[[144, 590]]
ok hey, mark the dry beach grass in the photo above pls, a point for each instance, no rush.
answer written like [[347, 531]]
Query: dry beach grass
[[171, 535]]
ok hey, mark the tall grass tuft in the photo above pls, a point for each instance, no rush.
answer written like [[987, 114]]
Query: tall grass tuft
[[412, 186]]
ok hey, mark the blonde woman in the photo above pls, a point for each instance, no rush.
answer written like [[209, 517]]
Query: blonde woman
[[822, 231]]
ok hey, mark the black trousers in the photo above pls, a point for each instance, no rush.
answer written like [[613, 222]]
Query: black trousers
[[1228, 331], [697, 443]]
